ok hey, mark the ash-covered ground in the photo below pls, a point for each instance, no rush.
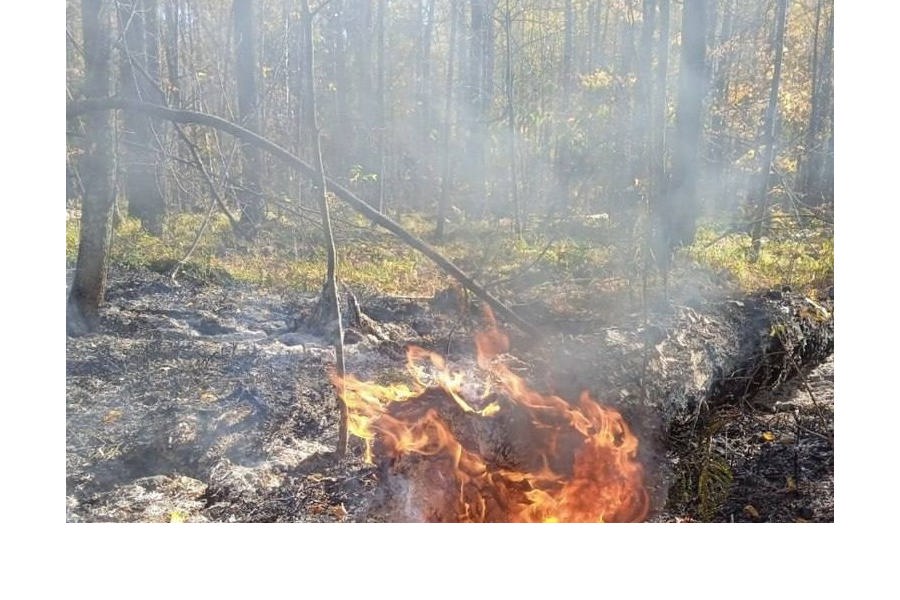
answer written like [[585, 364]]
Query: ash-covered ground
[[200, 402]]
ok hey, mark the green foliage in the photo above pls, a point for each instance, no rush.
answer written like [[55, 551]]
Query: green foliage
[[598, 80], [283, 258], [791, 255], [703, 477], [359, 175], [132, 246], [713, 484], [73, 231]]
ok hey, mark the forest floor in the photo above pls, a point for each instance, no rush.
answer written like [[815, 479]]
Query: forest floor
[[198, 402]]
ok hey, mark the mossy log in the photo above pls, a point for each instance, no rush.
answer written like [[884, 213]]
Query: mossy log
[[703, 354]]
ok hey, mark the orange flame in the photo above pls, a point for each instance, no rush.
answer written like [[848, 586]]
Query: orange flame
[[507, 454]]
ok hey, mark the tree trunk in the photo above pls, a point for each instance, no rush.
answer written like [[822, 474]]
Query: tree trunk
[[380, 122], [813, 123], [658, 204], [660, 107], [826, 192], [173, 19], [684, 206], [511, 124], [447, 164], [768, 137], [171, 85], [422, 179], [642, 116], [720, 70], [137, 23], [423, 67], [327, 315], [246, 65], [89, 286], [562, 155], [481, 49], [342, 146], [817, 168]]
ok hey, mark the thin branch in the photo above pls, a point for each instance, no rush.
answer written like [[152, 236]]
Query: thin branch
[[174, 274]]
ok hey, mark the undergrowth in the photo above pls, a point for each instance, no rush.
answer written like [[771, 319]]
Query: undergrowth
[[799, 257], [703, 477], [568, 266], [288, 257]]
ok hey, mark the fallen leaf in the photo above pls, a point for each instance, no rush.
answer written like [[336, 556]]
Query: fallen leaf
[[112, 416], [791, 484], [751, 511], [176, 516], [339, 511], [767, 436]]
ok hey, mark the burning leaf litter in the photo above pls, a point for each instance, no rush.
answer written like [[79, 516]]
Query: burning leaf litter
[[479, 445]]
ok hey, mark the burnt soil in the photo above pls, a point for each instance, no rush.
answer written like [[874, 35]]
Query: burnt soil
[[205, 402]]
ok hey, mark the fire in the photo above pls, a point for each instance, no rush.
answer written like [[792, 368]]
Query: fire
[[491, 449]]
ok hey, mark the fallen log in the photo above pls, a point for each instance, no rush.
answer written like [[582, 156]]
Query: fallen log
[[675, 368], [706, 354]]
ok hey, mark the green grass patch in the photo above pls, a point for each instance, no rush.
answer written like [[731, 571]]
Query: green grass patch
[[800, 258], [289, 258], [73, 231]]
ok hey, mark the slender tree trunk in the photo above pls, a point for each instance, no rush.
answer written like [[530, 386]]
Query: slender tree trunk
[[152, 60], [810, 138], [301, 106], [334, 110], [172, 88], [137, 23], [623, 144], [684, 206], [721, 70], [568, 52], [642, 115], [173, 19], [562, 155], [826, 192], [364, 76], [328, 311], [817, 168], [425, 128], [768, 137], [444, 199], [660, 106], [603, 38], [89, 286], [380, 122], [246, 66], [481, 48], [658, 189], [511, 124], [423, 85]]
